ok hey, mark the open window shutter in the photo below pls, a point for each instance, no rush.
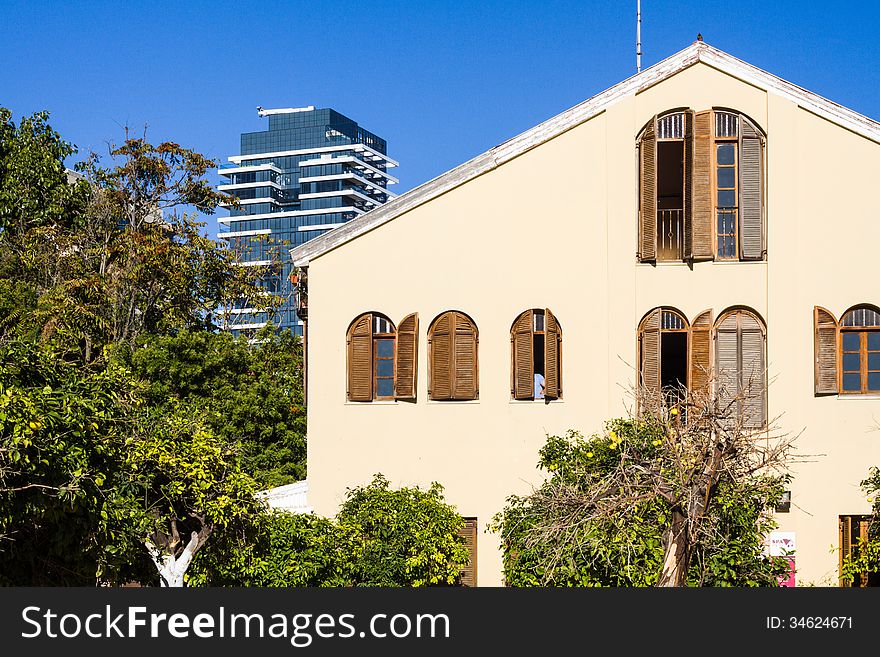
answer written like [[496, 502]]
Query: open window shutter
[[552, 369], [844, 526], [360, 360], [751, 227], [825, 344], [464, 373], [648, 203], [701, 222], [688, 193], [650, 357], [440, 363], [754, 373], [701, 354], [405, 357], [469, 533], [726, 367], [523, 358]]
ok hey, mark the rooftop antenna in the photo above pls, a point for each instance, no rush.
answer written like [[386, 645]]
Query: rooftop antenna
[[638, 36]]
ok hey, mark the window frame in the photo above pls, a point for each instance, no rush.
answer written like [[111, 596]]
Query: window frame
[[376, 338], [736, 195], [862, 331]]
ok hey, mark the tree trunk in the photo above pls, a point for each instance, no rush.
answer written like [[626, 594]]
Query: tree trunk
[[173, 567], [676, 554]]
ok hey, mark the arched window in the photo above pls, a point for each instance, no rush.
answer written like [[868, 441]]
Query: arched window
[[536, 356], [741, 370], [847, 353], [452, 358], [382, 358], [663, 353], [701, 187]]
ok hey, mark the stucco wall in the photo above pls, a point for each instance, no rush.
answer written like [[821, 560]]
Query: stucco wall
[[556, 228]]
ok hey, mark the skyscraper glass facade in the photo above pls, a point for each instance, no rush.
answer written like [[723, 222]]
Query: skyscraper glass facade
[[311, 171]]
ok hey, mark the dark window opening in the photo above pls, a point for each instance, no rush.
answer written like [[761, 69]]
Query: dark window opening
[[670, 199], [673, 363]]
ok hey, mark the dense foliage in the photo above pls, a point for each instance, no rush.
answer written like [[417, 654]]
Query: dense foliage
[[246, 393], [626, 548], [381, 537]]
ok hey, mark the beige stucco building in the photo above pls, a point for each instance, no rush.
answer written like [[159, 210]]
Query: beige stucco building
[[615, 233]]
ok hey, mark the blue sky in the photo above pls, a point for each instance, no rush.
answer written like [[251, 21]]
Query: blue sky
[[441, 81]]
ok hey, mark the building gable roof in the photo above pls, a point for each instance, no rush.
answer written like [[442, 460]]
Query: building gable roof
[[698, 51]]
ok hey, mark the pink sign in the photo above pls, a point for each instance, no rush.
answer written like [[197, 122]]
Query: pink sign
[[788, 579]]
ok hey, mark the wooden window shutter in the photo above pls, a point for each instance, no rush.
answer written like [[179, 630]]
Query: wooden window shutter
[[469, 533], [825, 330], [522, 347], [751, 228], [688, 193], [701, 353], [552, 356], [702, 204], [360, 359], [406, 357], [753, 381], [440, 360], [844, 528], [726, 366], [648, 190], [464, 373], [650, 357]]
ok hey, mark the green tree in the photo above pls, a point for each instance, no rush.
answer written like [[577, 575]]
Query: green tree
[[618, 509], [403, 537], [185, 484], [245, 393]]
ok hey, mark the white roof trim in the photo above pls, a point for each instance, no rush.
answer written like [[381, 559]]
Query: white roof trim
[[698, 51]]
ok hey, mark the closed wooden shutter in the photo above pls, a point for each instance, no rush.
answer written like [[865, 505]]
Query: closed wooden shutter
[[440, 361], [405, 357], [688, 193], [648, 189], [701, 222], [751, 229], [360, 359], [522, 346], [726, 368], [701, 354], [552, 356], [753, 380], [469, 533], [825, 331], [464, 383], [650, 356]]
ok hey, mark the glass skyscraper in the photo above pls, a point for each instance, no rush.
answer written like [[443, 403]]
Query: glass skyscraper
[[311, 171]]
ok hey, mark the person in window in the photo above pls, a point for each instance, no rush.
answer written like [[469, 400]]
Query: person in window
[[539, 385]]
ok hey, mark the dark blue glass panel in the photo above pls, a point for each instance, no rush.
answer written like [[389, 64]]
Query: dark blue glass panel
[[851, 363], [850, 341], [726, 177], [873, 380], [726, 153], [385, 388], [874, 361], [385, 368], [874, 341], [851, 382], [727, 199], [385, 348]]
